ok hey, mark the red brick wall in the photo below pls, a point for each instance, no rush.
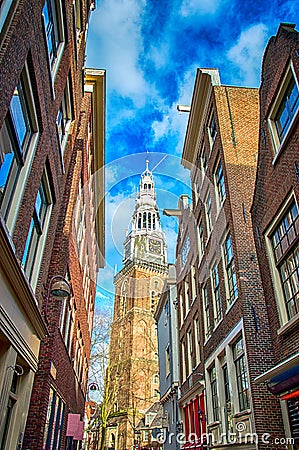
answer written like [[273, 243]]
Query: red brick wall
[[237, 145], [275, 181], [24, 40]]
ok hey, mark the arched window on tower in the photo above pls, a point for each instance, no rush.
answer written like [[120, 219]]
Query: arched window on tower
[[145, 186], [149, 186], [149, 221], [154, 221], [144, 220], [139, 221]]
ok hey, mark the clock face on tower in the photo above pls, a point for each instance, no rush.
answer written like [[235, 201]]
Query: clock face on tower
[[154, 246]]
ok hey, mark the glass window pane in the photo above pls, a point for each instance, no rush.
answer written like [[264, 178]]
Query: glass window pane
[[19, 115], [6, 156], [293, 96]]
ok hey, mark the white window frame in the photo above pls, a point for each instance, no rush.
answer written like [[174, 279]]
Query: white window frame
[[220, 201], [193, 284], [184, 377], [196, 339], [39, 245], [277, 143], [215, 287], [277, 284], [185, 250], [167, 361], [208, 213], [59, 24], [189, 350], [201, 243], [221, 356], [17, 178], [64, 117], [206, 311], [203, 162], [229, 301], [212, 130]]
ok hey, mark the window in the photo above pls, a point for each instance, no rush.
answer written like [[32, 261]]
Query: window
[[241, 373], [190, 351], [77, 19], [5, 6], [208, 208], [67, 319], [183, 362], [54, 421], [37, 231], [193, 284], [220, 187], [206, 311], [214, 395], [227, 400], [203, 162], [182, 308], [201, 246], [167, 361], [196, 339], [287, 109], [286, 257], [10, 405], [212, 130], [216, 295], [53, 19], [64, 116], [185, 250], [18, 137], [187, 294], [166, 312], [231, 279], [284, 110]]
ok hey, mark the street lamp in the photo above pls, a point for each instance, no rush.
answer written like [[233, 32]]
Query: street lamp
[[59, 288]]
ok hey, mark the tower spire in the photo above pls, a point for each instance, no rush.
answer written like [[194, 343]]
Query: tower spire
[[146, 239]]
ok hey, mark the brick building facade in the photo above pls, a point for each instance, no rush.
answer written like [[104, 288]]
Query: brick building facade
[[222, 312], [52, 141], [275, 218]]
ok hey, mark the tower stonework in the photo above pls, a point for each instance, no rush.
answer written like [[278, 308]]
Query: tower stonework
[[133, 353]]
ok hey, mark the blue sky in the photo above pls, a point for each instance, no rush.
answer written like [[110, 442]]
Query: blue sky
[[151, 50]]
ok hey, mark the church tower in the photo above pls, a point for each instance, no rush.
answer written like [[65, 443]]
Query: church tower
[[133, 353]]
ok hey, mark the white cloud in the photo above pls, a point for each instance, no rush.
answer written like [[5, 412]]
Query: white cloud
[[247, 53], [199, 7], [171, 238], [159, 55], [119, 209], [111, 174], [117, 27]]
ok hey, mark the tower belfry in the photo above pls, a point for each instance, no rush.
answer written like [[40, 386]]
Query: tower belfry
[[133, 351], [146, 241]]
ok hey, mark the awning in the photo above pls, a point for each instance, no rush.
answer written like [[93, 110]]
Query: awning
[[283, 377]]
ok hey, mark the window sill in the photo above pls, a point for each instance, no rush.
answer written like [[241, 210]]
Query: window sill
[[217, 324], [219, 209], [246, 412], [287, 327], [207, 339], [230, 305], [213, 424]]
